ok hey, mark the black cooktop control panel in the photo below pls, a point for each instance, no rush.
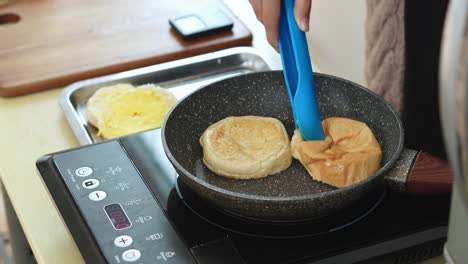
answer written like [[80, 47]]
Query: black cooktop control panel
[[125, 219]]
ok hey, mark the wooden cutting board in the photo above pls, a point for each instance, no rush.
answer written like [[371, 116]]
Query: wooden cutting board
[[57, 42]]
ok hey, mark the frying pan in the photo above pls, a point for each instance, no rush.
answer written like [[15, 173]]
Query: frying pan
[[292, 194]]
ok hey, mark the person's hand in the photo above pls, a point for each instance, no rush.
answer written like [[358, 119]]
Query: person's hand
[[268, 12]]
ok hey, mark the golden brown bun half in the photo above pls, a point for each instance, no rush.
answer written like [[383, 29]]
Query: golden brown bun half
[[350, 152], [123, 109], [246, 147], [101, 100]]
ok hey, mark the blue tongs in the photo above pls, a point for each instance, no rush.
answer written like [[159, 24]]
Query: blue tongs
[[298, 74]]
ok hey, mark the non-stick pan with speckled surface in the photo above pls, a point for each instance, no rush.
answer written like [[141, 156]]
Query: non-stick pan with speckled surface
[[291, 194]]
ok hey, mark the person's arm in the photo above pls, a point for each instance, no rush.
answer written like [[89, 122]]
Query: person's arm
[[268, 12]]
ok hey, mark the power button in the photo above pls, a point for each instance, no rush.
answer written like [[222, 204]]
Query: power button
[[83, 171]]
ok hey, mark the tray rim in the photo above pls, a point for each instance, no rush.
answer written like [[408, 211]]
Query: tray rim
[[74, 120]]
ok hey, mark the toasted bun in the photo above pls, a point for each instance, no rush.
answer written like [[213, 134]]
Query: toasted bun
[[101, 99], [350, 152], [247, 147], [123, 109]]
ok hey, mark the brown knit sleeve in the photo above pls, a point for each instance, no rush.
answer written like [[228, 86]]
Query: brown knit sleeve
[[385, 47]]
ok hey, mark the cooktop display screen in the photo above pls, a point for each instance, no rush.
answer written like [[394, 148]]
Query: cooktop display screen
[[117, 216]]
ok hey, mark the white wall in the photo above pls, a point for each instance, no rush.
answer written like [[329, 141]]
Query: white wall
[[336, 38]]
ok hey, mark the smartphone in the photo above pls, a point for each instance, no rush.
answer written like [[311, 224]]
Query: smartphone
[[202, 22]]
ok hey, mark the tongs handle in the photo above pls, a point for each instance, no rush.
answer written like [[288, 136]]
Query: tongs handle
[[298, 75]]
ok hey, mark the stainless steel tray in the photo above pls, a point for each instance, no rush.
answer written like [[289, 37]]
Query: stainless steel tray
[[181, 77]]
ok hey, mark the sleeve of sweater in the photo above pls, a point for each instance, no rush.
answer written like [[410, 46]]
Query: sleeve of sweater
[[402, 64], [385, 47]]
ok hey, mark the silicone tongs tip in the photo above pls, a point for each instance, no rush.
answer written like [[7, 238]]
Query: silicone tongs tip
[[298, 74]]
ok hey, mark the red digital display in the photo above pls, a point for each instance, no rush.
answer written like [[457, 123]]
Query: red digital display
[[117, 216]]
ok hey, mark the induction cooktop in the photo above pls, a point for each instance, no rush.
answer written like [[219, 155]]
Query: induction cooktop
[[124, 203]]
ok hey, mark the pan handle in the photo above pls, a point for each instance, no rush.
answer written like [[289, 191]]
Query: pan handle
[[419, 172], [429, 174]]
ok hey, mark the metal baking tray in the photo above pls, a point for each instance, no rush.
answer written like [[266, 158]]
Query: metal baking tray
[[181, 77]]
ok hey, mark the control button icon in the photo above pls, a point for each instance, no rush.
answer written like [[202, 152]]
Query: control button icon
[[143, 219], [83, 171], [133, 202], [97, 196], [165, 255], [90, 184], [155, 236], [123, 241], [131, 255], [122, 186], [114, 170]]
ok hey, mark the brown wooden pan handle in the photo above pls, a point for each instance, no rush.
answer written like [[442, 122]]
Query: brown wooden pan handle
[[429, 174]]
